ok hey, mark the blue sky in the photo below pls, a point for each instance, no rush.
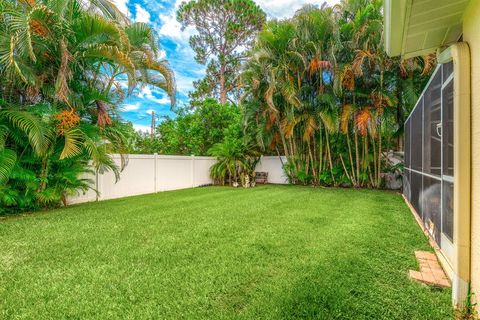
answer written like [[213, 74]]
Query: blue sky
[[161, 15]]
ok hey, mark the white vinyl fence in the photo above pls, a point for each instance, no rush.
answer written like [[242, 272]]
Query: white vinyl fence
[[155, 173]]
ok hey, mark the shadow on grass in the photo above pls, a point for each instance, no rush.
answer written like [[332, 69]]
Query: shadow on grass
[[348, 288]]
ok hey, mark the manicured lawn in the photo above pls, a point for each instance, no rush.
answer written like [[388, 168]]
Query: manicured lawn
[[272, 252]]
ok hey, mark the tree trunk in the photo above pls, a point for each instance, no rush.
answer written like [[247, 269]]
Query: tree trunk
[[314, 173], [329, 156], [43, 175], [379, 159], [399, 120], [357, 157], [374, 163], [345, 169], [320, 154], [379, 174], [282, 136], [354, 179], [223, 90]]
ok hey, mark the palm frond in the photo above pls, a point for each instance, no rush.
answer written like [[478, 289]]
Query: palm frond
[[73, 144], [164, 69], [38, 134], [8, 158], [362, 120]]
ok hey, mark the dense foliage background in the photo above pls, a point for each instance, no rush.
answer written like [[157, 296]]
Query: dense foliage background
[[65, 66], [317, 88], [320, 89], [193, 132]]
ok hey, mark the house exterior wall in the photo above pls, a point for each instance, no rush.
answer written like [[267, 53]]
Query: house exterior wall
[[471, 35]]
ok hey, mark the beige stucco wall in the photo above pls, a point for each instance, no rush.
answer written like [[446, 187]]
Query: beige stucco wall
[[471, 35]]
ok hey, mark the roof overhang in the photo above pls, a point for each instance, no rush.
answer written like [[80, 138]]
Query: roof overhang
[[417, 27]]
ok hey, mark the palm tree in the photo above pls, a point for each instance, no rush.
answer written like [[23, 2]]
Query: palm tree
[[236, 159], [65, 65], [326, 94]]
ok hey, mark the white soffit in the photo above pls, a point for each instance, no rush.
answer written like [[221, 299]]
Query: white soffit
[[417, 27]]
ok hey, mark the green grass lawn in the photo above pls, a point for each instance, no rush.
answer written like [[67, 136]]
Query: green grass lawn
[[272, 252]]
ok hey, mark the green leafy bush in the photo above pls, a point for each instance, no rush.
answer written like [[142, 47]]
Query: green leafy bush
[[62, 69], [236, 162], [193, 131]]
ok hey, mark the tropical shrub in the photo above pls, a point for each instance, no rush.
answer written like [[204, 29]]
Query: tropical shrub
[[324, 93], [193, 131], [65, 65], [236, 162]]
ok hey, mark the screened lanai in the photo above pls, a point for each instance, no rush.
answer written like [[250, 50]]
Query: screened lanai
[[428, 179]]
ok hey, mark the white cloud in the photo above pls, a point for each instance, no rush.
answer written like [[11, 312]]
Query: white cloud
[[149, 111], [172, 29], [185, 83], [131, 107], [163, 100], [147, 93], [141, 15], [286, 8], [141, 127], [122, 6], [162, 54], [155, 6], [186, 68]]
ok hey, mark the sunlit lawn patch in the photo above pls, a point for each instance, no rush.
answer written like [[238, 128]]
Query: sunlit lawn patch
[[271, 252]]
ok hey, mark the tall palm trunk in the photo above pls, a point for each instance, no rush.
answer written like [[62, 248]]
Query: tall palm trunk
[[379, 164], [282, 137], [310, 155], [357, 154], [379, 159], [320, 154], [366, 163], [43, 174], [374, 181], [223, 89], [349, 146], [329, 156]]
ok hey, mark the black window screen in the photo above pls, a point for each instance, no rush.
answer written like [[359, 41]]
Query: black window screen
[[416, 186], [432, 204], [432, 116], [407, 191], [447, 70], [428, 179], [407, 143], [416, 132], [447, 218], [448, 130]]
